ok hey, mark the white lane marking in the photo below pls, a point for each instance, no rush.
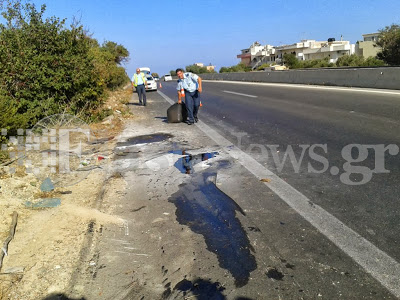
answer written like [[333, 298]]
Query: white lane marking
[[240, 94], [346, 89], [380, 265]]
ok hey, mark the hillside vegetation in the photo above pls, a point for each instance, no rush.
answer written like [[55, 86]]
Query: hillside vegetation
[[48, 67]]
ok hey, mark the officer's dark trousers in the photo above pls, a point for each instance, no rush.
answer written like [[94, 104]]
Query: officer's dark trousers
[[140, 89], [192, 101]]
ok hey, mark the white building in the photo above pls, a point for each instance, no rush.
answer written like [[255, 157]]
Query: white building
[[312, 49], [331, 49], [297, 49], [256, 55]]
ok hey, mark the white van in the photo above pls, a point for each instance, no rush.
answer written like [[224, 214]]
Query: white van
[[145, 70], [167, 77]]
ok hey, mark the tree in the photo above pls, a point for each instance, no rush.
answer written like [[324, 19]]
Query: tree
[[155, 75], [172, 72], [106, 60], [291, 61], [119, 52], [197, 70], [389, 41]]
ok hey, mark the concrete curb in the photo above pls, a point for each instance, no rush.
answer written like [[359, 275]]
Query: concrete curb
[[378, 78]]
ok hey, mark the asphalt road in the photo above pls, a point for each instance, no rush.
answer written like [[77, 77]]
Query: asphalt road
[[263, 115]]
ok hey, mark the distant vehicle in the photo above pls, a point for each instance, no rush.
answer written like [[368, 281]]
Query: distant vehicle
[[156, 78], [167, 77], [145, 70], [151, 83]]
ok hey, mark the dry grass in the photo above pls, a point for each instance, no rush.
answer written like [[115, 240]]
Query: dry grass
[[6, 282]]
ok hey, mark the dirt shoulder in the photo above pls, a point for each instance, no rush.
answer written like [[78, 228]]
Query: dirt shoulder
[[47, 243]]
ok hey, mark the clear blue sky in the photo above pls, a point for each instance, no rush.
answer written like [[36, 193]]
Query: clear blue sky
[[164, 35]]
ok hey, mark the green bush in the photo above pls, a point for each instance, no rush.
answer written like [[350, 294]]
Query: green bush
[[358, 61], [350, 61], [353, 60], [240, 67], [373, 62], [316, 63], [263, 66], [47, 68], [291, 61], [225, 70]]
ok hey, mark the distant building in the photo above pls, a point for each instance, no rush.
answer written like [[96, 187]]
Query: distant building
[[297, 49], [256, 55], [331, 49], [312, 49], [368, 47], [210, 67]]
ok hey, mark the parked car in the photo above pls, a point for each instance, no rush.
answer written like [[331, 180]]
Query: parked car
[[151, 83], [167, 77]]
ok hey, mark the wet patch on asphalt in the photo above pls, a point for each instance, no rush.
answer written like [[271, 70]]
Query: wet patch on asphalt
[[207, 210], [200, 288], [273, 273], [186, 163], [145, 139]]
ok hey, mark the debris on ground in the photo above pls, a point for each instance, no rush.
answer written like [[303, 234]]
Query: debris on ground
[[265, 180], [44, 203], [47, 185], [4, 249]]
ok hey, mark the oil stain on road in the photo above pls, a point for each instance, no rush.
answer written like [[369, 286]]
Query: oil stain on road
[[208, 211]]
